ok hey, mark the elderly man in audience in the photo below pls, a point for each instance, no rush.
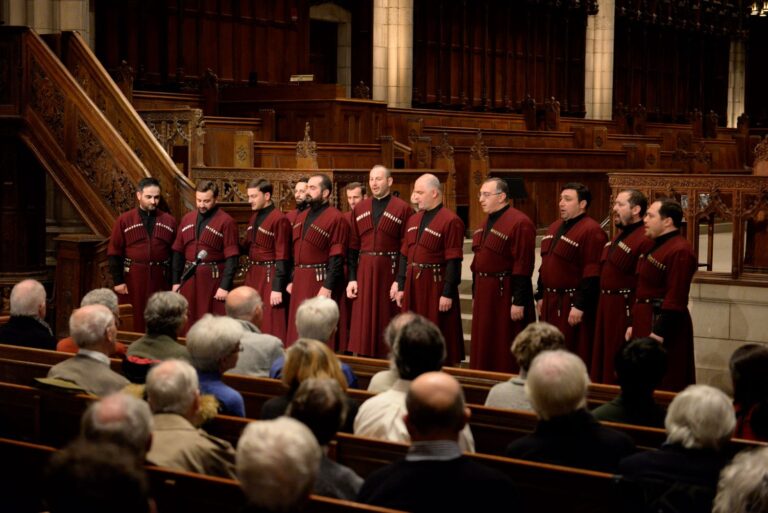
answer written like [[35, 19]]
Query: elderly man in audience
[[640, 365], [322, 406], [420, 348], [699, 423], [165, 316], [120, 419], [317, 318], [567, 434], [27, 326], [260, 350], [94, 331], [95, 477], [277, 463], [434, 475], [383, 380], [103, 296], [173, 395], [214, 347], [533, 339], [743, 487]]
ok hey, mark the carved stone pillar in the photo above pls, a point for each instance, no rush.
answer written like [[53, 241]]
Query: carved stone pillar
[[47, 16], [736, 74], [598, 62], [393, 52]]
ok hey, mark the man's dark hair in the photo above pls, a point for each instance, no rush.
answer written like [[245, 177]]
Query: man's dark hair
[[261, 184], [354, 185], [321, 405], [94, 477], [501, 185], [637, 199], [582, 192], [208, 185], [147, 182], [640, 365], [325, 183], [419, 348], [672, 209], [426, 418], [748, 366], [303, 179]]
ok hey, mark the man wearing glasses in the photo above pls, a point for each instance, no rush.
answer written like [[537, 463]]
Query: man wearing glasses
[[504, 251]]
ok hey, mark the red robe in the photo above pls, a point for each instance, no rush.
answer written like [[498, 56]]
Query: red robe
[[265, 245], [664, 275], [509, 248], [325, 238], [441, 240], [219, 239], [574, 257], [373, 309], [150, 258], [617, 295]]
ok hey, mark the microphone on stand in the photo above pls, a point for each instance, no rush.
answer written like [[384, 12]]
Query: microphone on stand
[[191, 270]]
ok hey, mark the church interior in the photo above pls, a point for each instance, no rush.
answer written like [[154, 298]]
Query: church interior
[[662, 96]]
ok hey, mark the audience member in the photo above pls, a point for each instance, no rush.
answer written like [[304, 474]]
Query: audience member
[[567, 434], [108, 298], [214, 347], [684, 472], [435, 476], [743, 485], [165, 317], [640, 364], [533, 339], [27, 326], [383, 380], [419, 348], [94, 331], [260, 350], [309, 358], [277, 462], [173, 395], [749, 375], [121, 419], [317, 318], [321, 404], [88, 477]]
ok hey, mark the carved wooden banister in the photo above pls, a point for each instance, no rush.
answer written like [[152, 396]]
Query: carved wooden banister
[[74, 141], [178, 190]]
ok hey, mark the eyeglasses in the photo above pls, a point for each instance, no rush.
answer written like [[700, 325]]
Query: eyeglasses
[[487, 194]]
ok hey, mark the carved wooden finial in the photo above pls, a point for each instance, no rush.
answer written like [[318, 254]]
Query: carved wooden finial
[[761, 150], [444, 149], [479, 151], [362, 91], [306, 148]]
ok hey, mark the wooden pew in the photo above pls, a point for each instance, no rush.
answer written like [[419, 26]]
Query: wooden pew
[[45, 356], [173, 491]]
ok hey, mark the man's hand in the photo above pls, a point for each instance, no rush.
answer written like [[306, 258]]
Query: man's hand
[[121, 289], [575, 316], [654, 336], [289, 288], [275, 298], [628, 334], [399, 298], [538, 308], [221, 294], [445, 304], [323, 292], [393, 290], [352, 289], [516, 313], [175, 287]]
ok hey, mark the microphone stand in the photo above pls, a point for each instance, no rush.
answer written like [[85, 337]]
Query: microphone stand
[[189, 273]]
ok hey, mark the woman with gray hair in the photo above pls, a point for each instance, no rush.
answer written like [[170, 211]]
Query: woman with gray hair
[[743, 486], [685, 471]]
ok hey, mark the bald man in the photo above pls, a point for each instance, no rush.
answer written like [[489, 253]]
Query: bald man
[[430, 264], [260, 350], [435, 475], [378, 228], [27, 326]]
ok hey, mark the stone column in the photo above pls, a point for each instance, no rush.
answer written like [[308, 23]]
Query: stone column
[[393, 52], [46, 16], [736, 74], [598, 62]]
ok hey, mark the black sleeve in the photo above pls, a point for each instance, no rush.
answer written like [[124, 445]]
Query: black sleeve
[[539, 288], [401, 270], [335, 272], [228, 276], [585, 298], [280, 280], [522, 290], [177, 267], [665, 322], [452, 278], [116, 269], [352, 257]]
